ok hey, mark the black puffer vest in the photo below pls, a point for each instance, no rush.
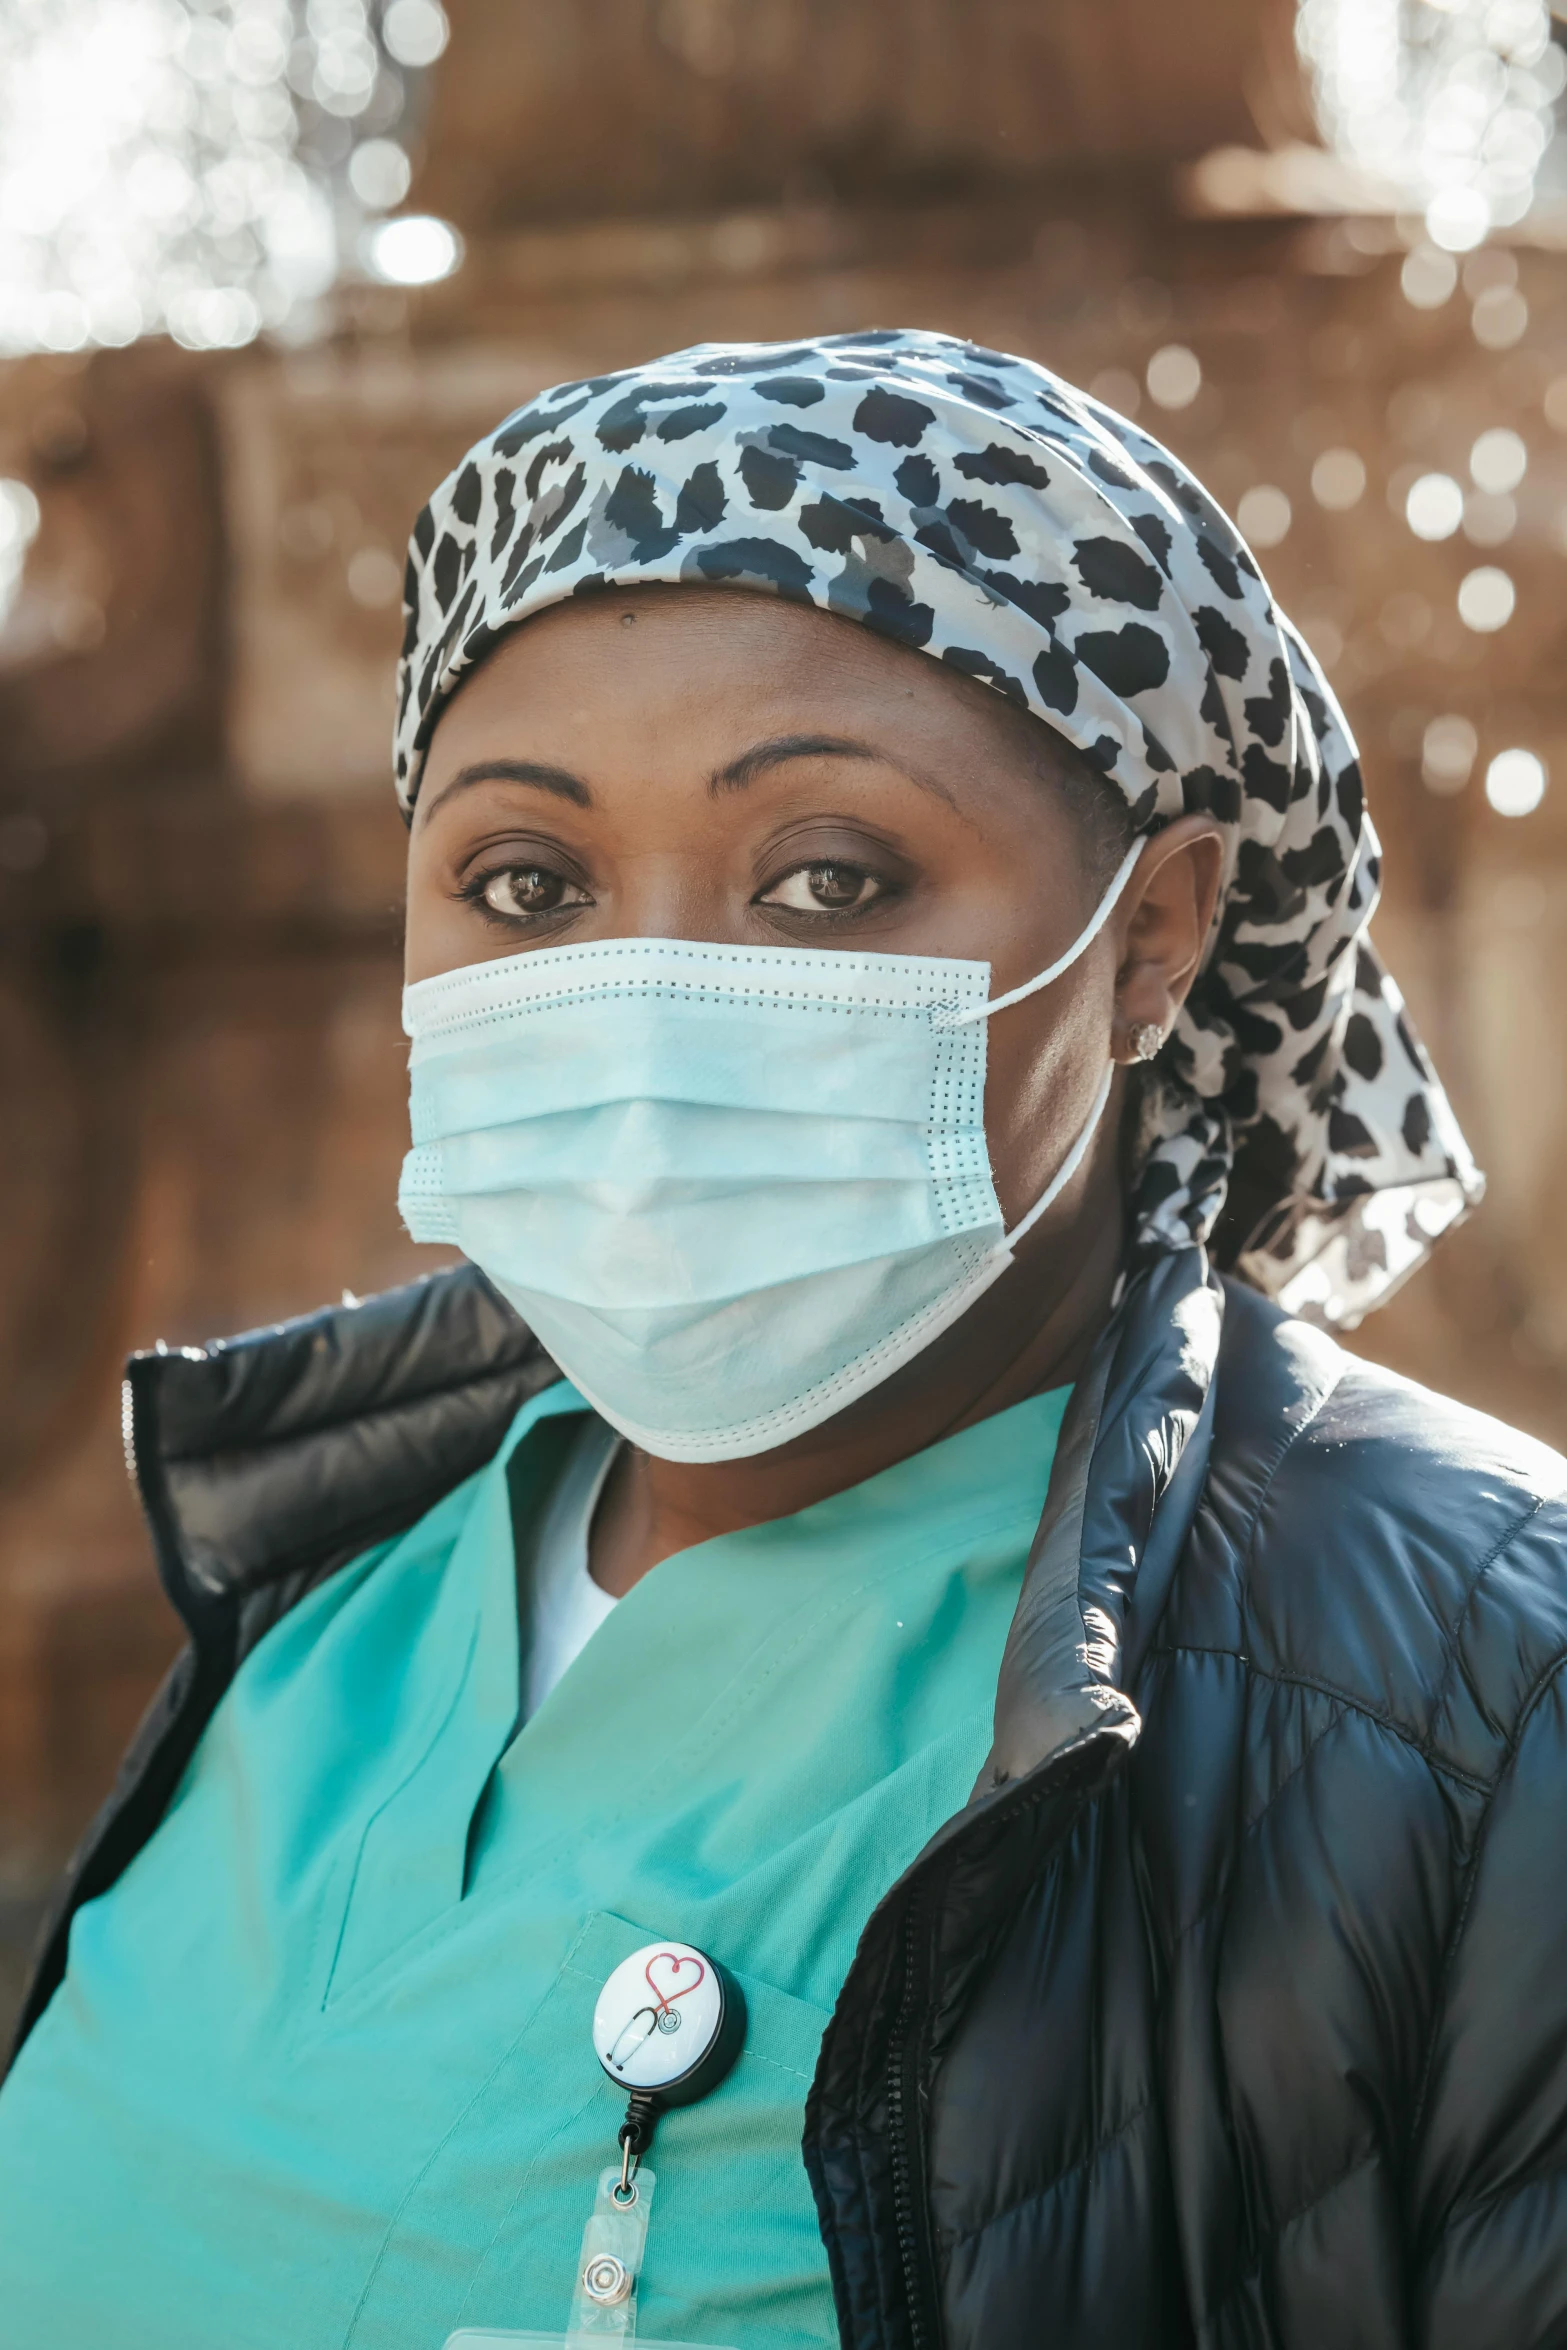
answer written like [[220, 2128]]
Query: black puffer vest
[[1233, 2007]]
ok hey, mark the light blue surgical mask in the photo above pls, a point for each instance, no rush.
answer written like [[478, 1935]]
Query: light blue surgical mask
[[730, 1188]]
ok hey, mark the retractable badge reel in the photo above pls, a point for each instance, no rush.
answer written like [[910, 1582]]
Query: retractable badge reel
[[667, 2028]]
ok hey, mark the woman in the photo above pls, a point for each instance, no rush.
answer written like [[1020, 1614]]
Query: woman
[[887, 910]]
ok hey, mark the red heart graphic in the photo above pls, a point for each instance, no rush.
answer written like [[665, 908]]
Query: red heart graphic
[[672, 1960]]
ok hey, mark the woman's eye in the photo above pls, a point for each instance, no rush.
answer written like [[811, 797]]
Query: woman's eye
[[823, 889], [524, 890]]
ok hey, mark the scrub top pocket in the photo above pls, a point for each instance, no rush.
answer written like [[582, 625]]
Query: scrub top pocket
[[487, 2233]]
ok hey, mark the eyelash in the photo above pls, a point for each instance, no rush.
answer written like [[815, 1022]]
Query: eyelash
[[475, 892], [882, 889]]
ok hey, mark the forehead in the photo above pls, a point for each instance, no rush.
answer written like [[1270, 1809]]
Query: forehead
[[725, 658]]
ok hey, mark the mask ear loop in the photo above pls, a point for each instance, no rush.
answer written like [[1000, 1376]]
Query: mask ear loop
[[1069, 1165], [1085, 939], [1080, 945]]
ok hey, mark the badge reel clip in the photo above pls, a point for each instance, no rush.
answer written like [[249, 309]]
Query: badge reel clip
[[667, 2028]]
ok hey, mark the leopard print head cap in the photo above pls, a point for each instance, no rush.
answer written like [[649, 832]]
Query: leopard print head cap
[[976, 507]]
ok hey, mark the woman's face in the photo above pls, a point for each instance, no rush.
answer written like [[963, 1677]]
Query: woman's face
[[718, 765]]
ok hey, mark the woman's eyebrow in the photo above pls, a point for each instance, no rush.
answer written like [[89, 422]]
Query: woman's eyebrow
[[780, 748], [558, 780]]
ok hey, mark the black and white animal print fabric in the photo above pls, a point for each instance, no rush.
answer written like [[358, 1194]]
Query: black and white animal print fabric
[[975, 506]]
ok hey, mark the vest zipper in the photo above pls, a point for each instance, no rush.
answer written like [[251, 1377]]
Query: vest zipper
[[915, 2251], [903, 2122], [128, 1436]]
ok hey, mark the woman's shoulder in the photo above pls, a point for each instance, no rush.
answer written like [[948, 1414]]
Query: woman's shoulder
[[1380, 1542], [264, 1462]]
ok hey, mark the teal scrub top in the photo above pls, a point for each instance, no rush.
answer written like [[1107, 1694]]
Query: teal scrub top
[[319, 2073]]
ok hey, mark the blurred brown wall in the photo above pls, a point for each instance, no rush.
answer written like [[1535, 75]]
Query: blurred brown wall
[[200, 1060]]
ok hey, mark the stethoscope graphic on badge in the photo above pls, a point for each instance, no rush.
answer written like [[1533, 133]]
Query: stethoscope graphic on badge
[[667, 2028]]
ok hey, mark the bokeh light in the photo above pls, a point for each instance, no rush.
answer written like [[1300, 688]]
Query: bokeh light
[[1486, 599], [414, 250], [1338, 480], [1447, 753], [1434, 507], [379, 172], [1499, 459], [1515, 782], [1500, 318], [1458, 218], [1264, 515], [182, 165], [1429, 277], [415, 31], [1174, 376], [1449, 103], [375, 578]]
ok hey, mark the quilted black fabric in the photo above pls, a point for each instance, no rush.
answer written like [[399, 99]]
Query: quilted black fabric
[[1250, 2029], [1232, 2010]]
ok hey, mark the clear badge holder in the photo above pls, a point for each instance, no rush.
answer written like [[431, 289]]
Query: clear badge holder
[[604, 2306], [605, 2302]]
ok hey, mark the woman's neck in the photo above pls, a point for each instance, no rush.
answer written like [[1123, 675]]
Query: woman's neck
[[1030, 1332]]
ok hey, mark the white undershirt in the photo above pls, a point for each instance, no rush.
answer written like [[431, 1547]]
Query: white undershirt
[[567, 1606]]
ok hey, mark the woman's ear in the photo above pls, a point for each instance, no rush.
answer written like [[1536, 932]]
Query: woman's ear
[[1169, 908]]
